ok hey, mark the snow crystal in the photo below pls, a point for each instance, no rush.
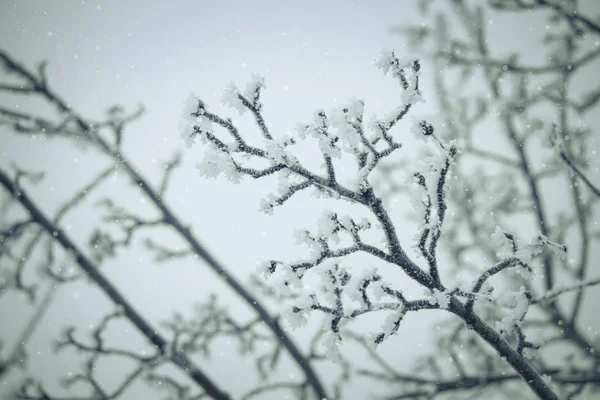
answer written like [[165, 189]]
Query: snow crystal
[[231, 98], [516, 305], [392, 322], [276, 151], [256, 83], [440, 298], [268, 204], [264, 269], [190, 107], [331, 342], [502, 243], [353, 288], [290, 275], [215, 162], [385, 60], [186, 124], [326, 224], [411, 95], [295, 317]]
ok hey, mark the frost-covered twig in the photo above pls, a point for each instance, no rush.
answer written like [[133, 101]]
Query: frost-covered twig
[[518, 190], [559, 291], [343, 132]]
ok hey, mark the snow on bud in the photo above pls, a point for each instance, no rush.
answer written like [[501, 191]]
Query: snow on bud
[[440, 298], [331, 342], [190, 107], [392, 322], [346, 222], [345, 121], [295, 317], [265, 269], [268, 204], [354, 110], [301, 236], [502, 243], [205, 125], [386, 60], [559, 249], [253, 87], [390, 327], [516, 305], [231, 98], [186, 124], [377, 290], [327, 224], [217, 161], [526, 252], [290, 275], [303, 130], [354, 286], [284, 280], [421, 129], [283, 182], [275, 152], [411, 95]]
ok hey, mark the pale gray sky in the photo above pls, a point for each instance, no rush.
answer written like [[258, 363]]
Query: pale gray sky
[[313, 55]]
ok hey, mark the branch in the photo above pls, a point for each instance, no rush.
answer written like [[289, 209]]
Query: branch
[[86, 131], [95, 275]]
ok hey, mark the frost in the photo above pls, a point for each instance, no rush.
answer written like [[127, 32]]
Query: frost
[[347, 121], [421, 129], [276, 151], [411, 95], [326, 225], [315, 246], [231, 98], [516, 305], [285, 281], [190, 107], [502, 243], [253, 87], [387, 60], [268, 204], [264, 269], [318, 129], [390, 327], [295, 317], [525, 252], [331, 342], [377, 291], [205, 125], [290, 276], [440, 298], [186, 124], [406, 70], [354, 286], [216, 162], [392, 323]]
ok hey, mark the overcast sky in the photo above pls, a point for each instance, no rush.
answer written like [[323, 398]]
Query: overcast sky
[[313, 55]]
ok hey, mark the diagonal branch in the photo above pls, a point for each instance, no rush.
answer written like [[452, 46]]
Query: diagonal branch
[[179, 359]]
